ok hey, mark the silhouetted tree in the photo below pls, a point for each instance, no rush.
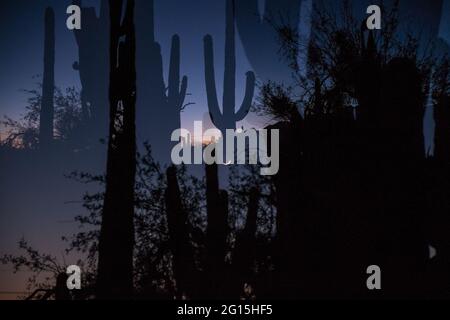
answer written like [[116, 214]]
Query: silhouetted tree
[[361, 140], [24, 132]]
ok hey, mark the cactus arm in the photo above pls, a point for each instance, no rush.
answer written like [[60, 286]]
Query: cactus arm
[[211, 92], [174, 71], [176, 94], [248, 98]]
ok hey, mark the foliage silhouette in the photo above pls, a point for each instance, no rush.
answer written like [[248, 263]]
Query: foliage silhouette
[[24, 133], [355, 186]]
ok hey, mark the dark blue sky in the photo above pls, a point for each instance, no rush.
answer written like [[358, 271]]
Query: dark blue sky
[[21, 58], [22, 45], [22, 50], [39, 220], [22, 53]]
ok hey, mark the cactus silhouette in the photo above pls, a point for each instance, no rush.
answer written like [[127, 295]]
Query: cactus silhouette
[[216, 232], [259, 35], [368, 78], [442, 112], [177, 220], [48, 82], [176, 93], [244, 252], [116, 243], [227, 118], [158, 106], [439, 173], [92, 65]]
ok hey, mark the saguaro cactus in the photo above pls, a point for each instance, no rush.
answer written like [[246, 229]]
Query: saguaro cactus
[[115, 260], [368, 77], [227, 118], [442, 112], [159, 105], [48, 82], [176, 94], [92, 65], [217, 231], [179, 234], [244, 252]]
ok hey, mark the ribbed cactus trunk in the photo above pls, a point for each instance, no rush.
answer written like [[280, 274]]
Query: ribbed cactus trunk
[[227, 117], [115, 261], [216, 233], [48, 83], [179, 235]]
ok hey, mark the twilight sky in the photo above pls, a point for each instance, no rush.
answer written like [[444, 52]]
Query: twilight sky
[[22, 53], [22, 50], [45, 216], [21, 58]]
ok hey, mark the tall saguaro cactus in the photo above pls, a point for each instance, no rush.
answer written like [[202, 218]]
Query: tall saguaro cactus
[[115, 261], [92, 65], [178, 224], [48, 82], [217, 230], [244, 251], [227, 118], [177, 91], [159, 105]]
